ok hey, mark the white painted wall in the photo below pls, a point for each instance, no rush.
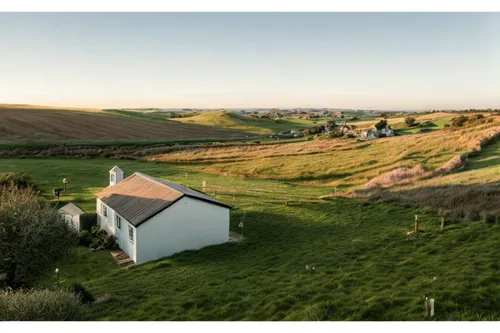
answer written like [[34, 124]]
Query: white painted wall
[[109, 224], [73, 221], [189, 224], [117, 176], [76, 222]]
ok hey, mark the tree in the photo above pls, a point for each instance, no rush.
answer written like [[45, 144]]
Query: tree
[[32, 236], [410, 121], [20, 180], [330, 124], [459, 121], [381, 124]]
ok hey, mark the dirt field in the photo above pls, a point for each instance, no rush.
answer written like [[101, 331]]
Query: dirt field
[[21, 123]]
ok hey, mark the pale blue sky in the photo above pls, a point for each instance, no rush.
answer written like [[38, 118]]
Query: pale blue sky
[[349, 60]]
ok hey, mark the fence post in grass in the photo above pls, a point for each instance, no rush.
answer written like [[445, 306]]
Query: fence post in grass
[[426, 306], [431, 304], [204, 186], [442, 222], [286, 199], [416, 223]]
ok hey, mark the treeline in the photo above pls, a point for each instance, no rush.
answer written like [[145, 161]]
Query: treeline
[[468, 110]]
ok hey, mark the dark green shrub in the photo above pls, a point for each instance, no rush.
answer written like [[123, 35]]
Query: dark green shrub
[[20, 180], [109, 242], [94, 230], [102, 234], [427, 124], [32, 236], [84, 295], [39, 305], [381, 124], [410, 121], [87, 221], [84, 238], [459, 121], [476, 116]]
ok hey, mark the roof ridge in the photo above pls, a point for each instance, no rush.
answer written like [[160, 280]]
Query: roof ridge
[[158, 181]]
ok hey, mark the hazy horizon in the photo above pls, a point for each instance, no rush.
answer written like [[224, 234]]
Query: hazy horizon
[[380, 61]]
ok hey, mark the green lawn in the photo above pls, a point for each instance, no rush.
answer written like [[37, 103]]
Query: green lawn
[[81, 266], [365, 268]]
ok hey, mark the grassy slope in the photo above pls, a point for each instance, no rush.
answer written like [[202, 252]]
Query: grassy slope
[[20, 124], [338, 162], [366, 270], [439, 117], [231, 120]]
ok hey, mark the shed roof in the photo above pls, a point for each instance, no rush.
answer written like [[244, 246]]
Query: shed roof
[[139, 197], [71, 209], [115, 169]]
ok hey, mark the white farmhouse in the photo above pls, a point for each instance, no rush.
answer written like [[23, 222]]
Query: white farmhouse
[[152, 218], [71, 214]]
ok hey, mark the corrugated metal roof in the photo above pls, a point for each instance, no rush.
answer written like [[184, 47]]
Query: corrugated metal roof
[[72, 209], [139, 197]]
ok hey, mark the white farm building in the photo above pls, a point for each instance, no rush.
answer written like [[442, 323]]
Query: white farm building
[[152, 218]]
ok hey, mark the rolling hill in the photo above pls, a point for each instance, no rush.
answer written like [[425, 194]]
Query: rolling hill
[[24, 122], [301, 206], [231, 120]]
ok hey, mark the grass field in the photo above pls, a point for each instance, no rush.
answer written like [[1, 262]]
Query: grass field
[[344, 163], [26, 123], [365, 268], [231, 120], [439, 118]]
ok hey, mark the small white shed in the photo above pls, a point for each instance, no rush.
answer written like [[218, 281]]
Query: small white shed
[[152, 218], [71, 214]]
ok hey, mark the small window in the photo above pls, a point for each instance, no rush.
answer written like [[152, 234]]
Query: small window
[[118, 222], [112, 177], [131, 234], [104, 210]]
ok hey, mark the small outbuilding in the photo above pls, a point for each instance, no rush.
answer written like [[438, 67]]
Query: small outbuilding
[[71, 214]]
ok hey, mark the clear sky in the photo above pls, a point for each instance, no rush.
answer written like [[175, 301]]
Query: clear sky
[[349, 60]]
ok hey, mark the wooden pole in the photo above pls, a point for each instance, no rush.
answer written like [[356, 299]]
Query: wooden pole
[[426, 307], [442, 222], [416, 223]]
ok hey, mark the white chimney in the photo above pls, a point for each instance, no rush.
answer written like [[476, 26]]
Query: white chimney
[[115, 175]]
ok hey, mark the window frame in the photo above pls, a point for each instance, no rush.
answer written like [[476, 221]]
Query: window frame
[[131, 233], [118, 221], [112, 177], [104, 210]]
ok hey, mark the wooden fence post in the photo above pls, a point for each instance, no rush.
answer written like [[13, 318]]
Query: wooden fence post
[[416, 223], [442, 222]]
